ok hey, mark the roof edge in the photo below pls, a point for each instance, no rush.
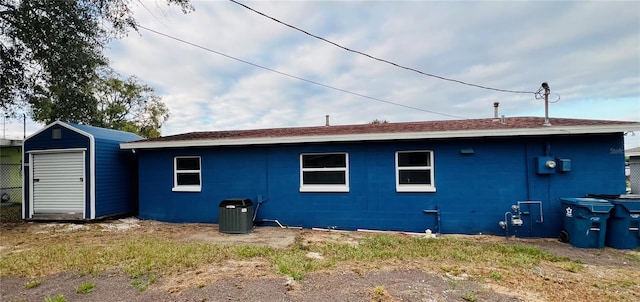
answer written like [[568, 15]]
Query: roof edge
[[553, 130], [63, 124]]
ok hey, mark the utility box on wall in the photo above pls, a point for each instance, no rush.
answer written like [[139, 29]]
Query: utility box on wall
[[545, 165], [564, 165]]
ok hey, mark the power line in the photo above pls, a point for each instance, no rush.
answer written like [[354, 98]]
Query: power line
[[293, 76], [378, 59]]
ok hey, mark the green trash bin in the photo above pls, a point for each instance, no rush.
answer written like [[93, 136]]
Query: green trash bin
[[236, 216], [585, 221]]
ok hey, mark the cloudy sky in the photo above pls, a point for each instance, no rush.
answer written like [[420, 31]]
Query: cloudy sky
[[588, 52]]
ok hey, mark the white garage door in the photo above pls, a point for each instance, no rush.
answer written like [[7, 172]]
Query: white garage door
[[58, 183]]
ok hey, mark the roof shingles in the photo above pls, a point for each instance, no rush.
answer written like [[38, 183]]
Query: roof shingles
[[428, 126]]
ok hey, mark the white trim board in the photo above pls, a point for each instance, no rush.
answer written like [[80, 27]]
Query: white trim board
[[92, 165], [56, 150], [553, 130]]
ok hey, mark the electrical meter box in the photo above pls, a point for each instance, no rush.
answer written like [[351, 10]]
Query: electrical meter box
[[545, 165]]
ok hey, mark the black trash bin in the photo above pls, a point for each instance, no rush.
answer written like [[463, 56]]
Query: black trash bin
[[236, 216], [585, 221]]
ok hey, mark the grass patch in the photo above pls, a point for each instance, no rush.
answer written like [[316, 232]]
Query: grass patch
[[58, 298], [379, 294], [495, 275], [143, 282], [633, 257], [384, 247], [521, 255], [33, 284], [615, 284], [452, 270], [144, 256], [601, 285], [135, 256], [626, 283], [574, 267], [293, 265], [85, 288], [470, 297]]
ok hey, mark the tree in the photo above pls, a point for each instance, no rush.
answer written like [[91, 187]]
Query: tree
[[377, 121], [51, 53], [130, 106], [110, 102]]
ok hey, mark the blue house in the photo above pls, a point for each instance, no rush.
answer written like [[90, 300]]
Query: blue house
[[456, 176], [78, 172]]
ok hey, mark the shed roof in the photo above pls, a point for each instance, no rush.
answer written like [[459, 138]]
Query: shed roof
[[512, 126], [108, 134], [632, 152], [96, 132]]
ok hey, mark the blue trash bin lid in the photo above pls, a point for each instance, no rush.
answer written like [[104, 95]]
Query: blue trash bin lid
[[631, 202], [632, 205], [594, 205]]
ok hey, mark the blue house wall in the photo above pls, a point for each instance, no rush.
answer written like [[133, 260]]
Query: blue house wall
[[115, 169], [116, 185], [473, 191]]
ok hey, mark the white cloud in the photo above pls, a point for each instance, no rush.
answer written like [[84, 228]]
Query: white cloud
[[589, 52]]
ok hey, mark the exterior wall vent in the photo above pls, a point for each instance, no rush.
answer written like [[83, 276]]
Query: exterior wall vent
[[466, 151], [56, 133]]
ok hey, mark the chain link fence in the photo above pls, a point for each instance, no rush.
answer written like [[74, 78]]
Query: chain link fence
[[634, 175], [11, 182]]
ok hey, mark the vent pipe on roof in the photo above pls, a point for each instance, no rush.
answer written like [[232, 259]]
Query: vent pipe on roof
[[326, 120], [496, 117]]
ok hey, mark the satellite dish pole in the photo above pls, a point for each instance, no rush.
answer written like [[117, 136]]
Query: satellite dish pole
[[547, 91]]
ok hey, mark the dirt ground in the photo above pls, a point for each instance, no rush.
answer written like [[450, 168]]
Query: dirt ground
[[256, 280]]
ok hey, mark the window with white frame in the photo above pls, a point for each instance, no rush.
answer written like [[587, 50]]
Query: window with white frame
[[414, 171], [324, 172], [186, 174]]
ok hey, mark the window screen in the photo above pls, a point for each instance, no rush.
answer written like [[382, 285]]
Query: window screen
[[324, 172], [414, 171], [187, 175]]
